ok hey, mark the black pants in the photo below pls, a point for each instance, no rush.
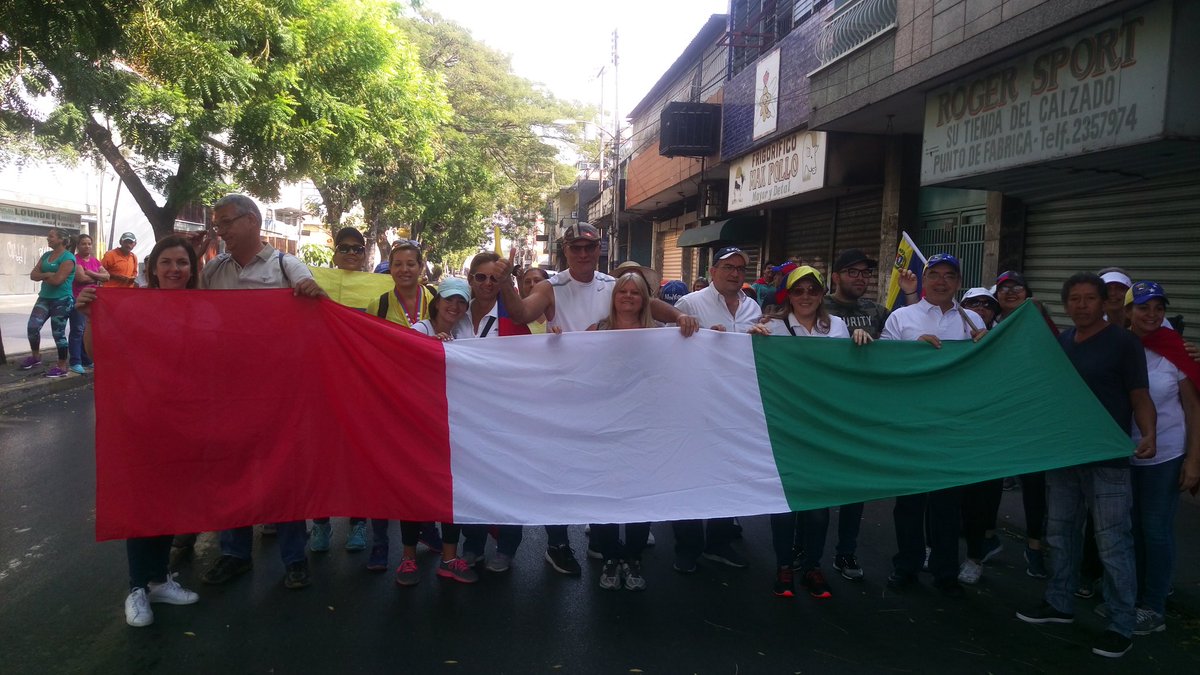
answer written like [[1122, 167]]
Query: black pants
[[693, 537], [148, 557], [980, 504], [909, 515], [1033, 497], [606, 538]]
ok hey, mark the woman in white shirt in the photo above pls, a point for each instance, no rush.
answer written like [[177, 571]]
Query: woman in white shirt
[[804, 315], [1175, 466]]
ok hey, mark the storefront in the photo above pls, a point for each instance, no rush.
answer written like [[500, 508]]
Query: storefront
[[23, 230], [1094, 134]]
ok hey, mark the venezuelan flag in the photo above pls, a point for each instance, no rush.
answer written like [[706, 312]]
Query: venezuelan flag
[[908, 256]]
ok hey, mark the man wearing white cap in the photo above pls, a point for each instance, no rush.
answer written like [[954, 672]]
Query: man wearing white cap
[[1116, 281]]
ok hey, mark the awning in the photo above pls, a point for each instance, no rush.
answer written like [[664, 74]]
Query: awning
[[734, 230]]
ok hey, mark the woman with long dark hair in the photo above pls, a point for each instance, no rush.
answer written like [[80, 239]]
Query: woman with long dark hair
[[55, 269]]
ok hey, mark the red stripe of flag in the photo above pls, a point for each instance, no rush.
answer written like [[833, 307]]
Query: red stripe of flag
[[255, 406]]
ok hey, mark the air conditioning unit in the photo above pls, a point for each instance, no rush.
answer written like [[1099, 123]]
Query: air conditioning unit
[[690, 130]]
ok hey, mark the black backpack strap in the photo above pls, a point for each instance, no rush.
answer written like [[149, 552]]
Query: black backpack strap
[[283, 270], [787, 321], [383, 306], [487, 327]]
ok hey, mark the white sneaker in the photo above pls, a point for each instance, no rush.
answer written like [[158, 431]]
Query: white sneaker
[[970, 572], [137, 609], [171, 593]]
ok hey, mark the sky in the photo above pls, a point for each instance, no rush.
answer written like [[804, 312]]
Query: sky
[[564, 43]]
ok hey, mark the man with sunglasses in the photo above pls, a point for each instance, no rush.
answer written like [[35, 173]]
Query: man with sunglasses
[[574, 299], [936, 317], [851, 275], [350, 250]]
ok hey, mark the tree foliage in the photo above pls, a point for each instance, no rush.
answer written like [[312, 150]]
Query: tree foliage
[[191, 97]]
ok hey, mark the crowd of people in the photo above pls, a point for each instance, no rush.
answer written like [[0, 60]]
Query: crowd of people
[[1107, 523]]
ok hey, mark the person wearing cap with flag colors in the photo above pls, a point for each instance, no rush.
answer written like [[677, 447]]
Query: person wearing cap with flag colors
[[1112, 363], [934, 318], [720, 306], [121, 262], [805, 315], [1157, 481], [572, 300]]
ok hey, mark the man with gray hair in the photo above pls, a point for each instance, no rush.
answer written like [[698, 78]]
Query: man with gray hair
[[248, 263]]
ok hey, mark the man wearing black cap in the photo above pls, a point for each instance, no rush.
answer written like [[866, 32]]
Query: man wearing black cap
[[349, 250], [851, 276], [573, 299]]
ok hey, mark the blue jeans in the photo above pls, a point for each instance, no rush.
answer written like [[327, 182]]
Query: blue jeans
[[148, 557], [507, 540], [1155, 501], [79, 355], [293, 536], [1108, 493]]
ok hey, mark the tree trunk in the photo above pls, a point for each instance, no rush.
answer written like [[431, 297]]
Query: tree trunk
[[160, 219]]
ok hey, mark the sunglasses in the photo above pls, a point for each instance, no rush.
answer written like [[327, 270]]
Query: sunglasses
[[408, 242], [480, 277], [583, 248], [351, 248]]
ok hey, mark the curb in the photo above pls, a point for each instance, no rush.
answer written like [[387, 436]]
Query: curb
[[35, 386]]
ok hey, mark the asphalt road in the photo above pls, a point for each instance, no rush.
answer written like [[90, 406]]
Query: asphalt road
[[61, 596]]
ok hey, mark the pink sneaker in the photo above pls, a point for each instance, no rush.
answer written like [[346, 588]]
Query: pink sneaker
[[458, 570], [407, 573]]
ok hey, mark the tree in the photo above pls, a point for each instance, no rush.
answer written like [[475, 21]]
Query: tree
[[193, 98]]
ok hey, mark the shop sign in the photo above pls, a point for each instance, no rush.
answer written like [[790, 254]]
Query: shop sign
[[1101, 88], [766, 95], [789, 166], [25, 215]]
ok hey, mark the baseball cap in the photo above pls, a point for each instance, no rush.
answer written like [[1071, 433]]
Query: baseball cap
[[1015, 277], [1145, 291], [801, 272], [452, 286], [852, 256], [579, 231], [1117, 278], [943, 259], [128, 235], [351, 232], [673, 291], [729, 251]]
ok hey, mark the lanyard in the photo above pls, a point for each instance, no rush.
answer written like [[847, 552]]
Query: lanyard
[[412, 318]]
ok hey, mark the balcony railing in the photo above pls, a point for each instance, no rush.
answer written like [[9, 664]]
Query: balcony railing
[[853, 26]]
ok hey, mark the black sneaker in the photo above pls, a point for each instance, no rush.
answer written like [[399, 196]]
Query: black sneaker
[[898, 582], [797, 558], [725, 555], [227, 567], [847, 565], [1045, 613], [1112, 645], [297, 575], [562, 559], [785, 583], [814, 581]]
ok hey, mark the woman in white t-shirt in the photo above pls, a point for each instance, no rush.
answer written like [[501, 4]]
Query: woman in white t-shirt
[[804, 315], [1175, 466]]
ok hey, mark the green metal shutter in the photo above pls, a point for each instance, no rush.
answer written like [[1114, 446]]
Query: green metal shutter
[[1150, 230]]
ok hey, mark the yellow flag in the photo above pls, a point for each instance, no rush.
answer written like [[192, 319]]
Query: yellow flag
[[352, 289], [496, 234]]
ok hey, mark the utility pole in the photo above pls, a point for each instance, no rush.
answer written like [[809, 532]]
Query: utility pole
[[614, 234]]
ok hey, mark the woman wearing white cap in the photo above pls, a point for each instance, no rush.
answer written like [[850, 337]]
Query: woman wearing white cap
[[1157, 481], [804, 315]]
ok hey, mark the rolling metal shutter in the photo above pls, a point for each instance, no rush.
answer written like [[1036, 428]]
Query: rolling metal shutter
[[672, 255], [816, 233], [859, 218], [1150, 230], [807, 234]]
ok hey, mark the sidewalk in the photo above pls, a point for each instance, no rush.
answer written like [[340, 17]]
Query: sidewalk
[[16, 385]]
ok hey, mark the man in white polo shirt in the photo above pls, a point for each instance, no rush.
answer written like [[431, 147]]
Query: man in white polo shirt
[[576, 298], [936, 317], [720, 306]]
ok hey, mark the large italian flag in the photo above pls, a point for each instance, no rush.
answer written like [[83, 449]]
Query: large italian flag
[[224, 408]]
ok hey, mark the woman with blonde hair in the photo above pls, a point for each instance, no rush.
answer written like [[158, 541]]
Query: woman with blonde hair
[[630, 308]]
